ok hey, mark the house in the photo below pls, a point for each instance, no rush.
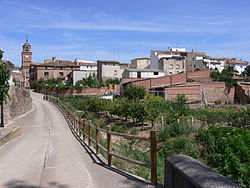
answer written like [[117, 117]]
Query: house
[[171, 62], [52, 69], [10, 66], [77, 75], [214, 63], [194, 61], [140, 63], [142, 73], [109, 69], [239, 65]]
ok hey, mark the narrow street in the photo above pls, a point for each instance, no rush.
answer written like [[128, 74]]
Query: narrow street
[[48, 155]]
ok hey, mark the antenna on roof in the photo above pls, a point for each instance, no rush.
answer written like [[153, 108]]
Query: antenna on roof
[[26, 38]]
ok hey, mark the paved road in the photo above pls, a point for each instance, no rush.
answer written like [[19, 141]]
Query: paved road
[[48, 155]]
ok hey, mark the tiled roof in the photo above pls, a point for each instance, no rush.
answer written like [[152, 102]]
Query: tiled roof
[[8, 64], [107, 61], [168, 51], [58, 63], [141, 58], [144, 70], [87, 63], [234, 61], [215, 58]]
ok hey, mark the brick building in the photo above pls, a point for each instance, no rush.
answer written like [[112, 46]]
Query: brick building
[[51, 68], [196, 86]]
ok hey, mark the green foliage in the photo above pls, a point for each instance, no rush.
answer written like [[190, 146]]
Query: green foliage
[[246, 71], [225, 76], [212, 116], [112, 81], [90, 82], [175, 129], [227, 149], [4, 84], [135, 92]]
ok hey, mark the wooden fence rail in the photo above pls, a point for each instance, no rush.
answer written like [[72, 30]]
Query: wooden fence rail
[[85, 131]]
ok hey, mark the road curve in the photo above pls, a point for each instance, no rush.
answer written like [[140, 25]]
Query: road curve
[[48, 155]]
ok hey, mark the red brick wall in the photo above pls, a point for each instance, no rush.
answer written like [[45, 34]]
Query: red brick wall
[[216, 91], [179, 78], [203, 73], [145, 83], [161, 81], [191, 92]]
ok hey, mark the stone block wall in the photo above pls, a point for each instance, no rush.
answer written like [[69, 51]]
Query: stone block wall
[[18, 103]]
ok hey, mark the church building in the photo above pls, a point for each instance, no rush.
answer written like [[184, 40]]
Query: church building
[[51, 68]]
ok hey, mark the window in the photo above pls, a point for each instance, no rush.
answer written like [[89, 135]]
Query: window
[[178, 59], [171, 66], [138, 74], [156, 73], [87, 66], [46, 67], [115, 72], [46, 74], [177, 66], [61, 73], [170, 73]]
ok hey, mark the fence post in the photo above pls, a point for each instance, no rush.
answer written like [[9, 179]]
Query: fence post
[[97, 138], [83, 130], [89, 134], [109, 142], [153, 151]]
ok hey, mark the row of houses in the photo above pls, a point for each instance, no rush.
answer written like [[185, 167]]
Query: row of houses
[[171, 62]]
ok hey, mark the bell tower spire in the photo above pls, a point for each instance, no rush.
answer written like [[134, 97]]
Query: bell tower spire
[[26, 62]]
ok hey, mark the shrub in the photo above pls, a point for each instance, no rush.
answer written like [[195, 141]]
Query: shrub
[[227, 150], [135, 92]]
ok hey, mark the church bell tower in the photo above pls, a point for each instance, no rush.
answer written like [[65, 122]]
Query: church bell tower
[[26, 63]]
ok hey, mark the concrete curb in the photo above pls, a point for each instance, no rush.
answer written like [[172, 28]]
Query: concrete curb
[[11, 135]]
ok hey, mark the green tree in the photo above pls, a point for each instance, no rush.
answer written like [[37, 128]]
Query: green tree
[[247, 71], [135, 92]]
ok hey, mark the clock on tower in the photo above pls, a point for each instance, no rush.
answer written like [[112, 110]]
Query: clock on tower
[[26, 63]]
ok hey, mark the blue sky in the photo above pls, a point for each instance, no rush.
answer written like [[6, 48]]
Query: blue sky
[[123, 29]]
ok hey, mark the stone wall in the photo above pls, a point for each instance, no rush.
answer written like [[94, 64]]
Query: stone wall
[[184, 171], [19, 102]]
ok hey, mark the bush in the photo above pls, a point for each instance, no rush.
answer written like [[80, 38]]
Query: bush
[[135, 92], [227, 151]]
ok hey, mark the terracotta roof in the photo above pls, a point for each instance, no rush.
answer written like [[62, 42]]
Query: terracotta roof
[[8, 64], [125, 80], [141, 58], [87, 63], [200, 53], [168, 51], [144, 70], [216, 58], [106, 61], [58, 63], [34, 63], [235, 61]]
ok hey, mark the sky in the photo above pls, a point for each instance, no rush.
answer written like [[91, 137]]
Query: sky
[[122, 30]]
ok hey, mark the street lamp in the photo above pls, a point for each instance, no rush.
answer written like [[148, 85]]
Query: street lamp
[[57, 91], [46, 97], [1, 95]]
